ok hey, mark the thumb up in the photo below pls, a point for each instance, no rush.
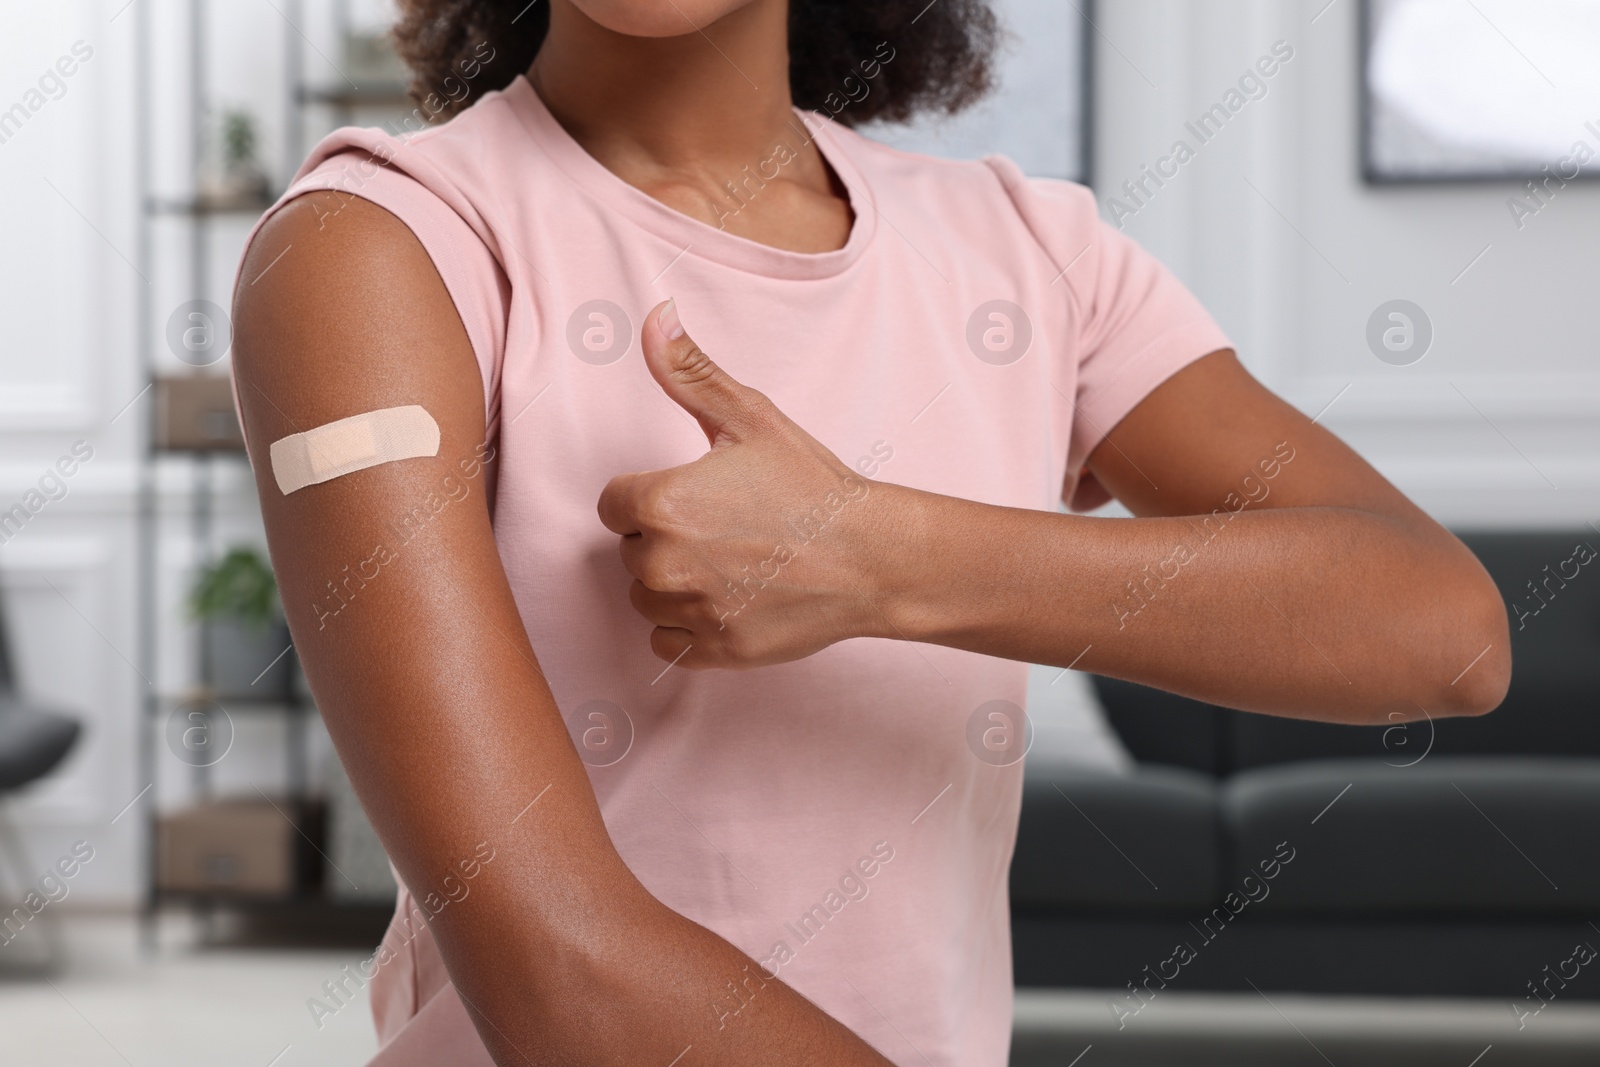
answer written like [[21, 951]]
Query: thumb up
[[724, 408], [758, 552]]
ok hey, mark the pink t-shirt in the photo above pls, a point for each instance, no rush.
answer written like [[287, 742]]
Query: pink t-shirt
[[977, 336]]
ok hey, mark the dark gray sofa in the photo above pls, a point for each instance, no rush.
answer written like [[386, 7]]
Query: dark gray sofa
[[1458, 857]]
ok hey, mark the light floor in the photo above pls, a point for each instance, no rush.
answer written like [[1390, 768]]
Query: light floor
[[189, 1005], [112, 1006]]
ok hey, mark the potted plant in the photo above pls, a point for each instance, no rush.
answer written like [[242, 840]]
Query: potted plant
[[235, 598], [237, 177]]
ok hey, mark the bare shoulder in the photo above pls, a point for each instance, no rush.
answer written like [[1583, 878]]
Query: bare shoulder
[[325, 235], [337, 299]]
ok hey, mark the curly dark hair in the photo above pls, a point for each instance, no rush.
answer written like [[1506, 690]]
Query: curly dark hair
[[859, 60]]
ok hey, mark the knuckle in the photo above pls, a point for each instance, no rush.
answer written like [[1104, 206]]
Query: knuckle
[[707, 612], [691, 365], [779, 428], [762, 416], [658, 575], [735, 647], [657, 569], [756, 400], [639, 596], [655, 504]]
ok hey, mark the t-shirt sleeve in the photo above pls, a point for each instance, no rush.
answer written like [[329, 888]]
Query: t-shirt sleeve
[[473, 277], [1134, 323]]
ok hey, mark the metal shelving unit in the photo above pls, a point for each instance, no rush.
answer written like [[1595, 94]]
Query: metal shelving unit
[[198, 214]]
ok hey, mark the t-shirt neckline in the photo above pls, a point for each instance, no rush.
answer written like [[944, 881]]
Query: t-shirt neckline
[[692, 235]]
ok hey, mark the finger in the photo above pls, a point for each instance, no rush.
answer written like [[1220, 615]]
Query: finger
[[724, 408], [633, 552], [674, 645], [618, 512], [672, 610], [643, 557]]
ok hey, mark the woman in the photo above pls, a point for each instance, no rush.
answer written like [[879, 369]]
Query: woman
[[915, 360]]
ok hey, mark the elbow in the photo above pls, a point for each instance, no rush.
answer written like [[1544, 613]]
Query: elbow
[[1478, 639], [1483, 688]]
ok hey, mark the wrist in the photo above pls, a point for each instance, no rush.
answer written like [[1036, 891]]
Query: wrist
[[891, 572]]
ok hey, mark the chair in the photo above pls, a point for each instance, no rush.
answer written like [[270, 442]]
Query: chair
[[34, 739]]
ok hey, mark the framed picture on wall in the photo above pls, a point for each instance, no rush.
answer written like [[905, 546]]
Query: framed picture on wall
[[1038, 114], [1480, 90]]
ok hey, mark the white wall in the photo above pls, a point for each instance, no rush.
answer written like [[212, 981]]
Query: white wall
[[66, 366], [70, 285], [1514, 336]]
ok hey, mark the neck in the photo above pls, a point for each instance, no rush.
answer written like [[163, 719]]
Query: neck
[[684, 114], [702, 101]]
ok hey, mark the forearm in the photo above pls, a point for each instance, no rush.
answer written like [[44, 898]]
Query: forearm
[[633, 982], [457, 747], [605, 974], [561, 955], [1324, 612], [573, 960], [1340, 600]]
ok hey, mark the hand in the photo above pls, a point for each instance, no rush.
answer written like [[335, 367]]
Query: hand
[[758, 552]]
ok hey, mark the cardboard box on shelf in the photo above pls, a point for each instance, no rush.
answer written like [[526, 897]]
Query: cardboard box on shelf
[[194, 413], [246, 846]]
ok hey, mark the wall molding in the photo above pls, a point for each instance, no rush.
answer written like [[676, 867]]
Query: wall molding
[[1513, 398]]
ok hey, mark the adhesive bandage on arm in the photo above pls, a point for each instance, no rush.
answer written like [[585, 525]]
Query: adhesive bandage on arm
[[353, 444]]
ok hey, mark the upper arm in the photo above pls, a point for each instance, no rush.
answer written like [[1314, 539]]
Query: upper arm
[[1212, 438], [390, 577], [1211, 432]]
